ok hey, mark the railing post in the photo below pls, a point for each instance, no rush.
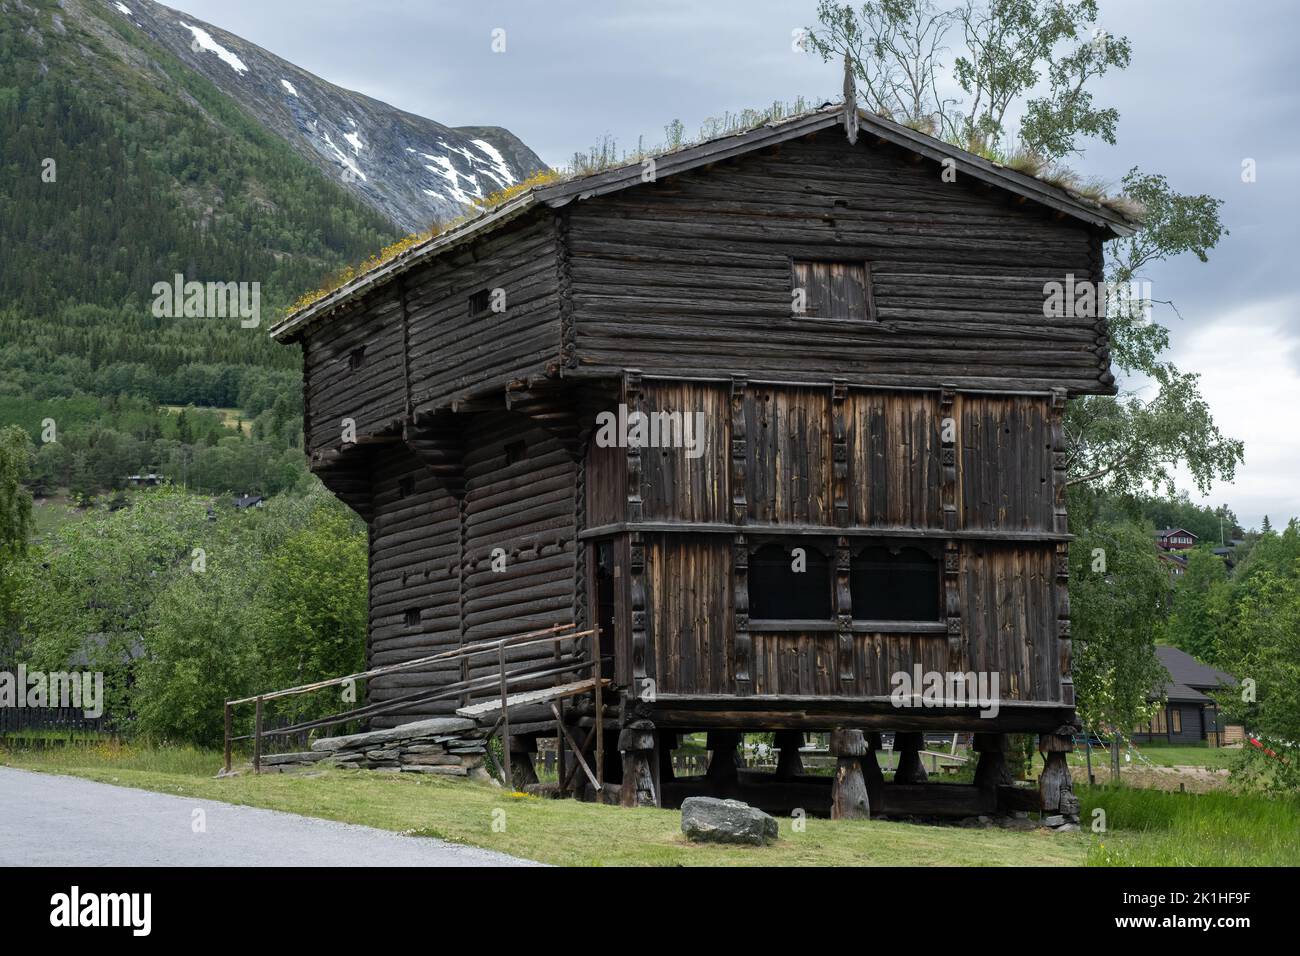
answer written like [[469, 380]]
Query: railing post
[[229, 719], [257, 738], [600, 715], [505, 720]]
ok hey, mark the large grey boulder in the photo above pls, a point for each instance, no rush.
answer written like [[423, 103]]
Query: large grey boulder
[[709, 820]]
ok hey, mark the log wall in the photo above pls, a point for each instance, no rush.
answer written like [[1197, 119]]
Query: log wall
[[433, 553], [413, 566], [424, 347], [693, 274]]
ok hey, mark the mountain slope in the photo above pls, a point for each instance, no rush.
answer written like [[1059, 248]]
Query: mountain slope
[[120, 167], [413, 170]]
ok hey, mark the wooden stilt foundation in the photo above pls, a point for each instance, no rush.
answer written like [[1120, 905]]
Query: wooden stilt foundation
[[992, 771], [637, 744], [788, 762], [908, 747], [724, 760], [849, 798], [1055, 788]]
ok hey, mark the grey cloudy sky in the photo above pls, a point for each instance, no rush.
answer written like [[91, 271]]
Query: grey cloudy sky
[[1212, 83]]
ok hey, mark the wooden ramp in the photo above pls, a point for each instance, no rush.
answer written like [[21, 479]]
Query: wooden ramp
[[490, 707], [500, 709]]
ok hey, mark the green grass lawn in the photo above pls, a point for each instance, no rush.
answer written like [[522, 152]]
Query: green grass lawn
[[1165, 755], [1143, 829]]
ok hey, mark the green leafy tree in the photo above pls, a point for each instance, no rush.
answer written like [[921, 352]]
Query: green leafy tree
[[1010, 48], [1263, 647], [1200, 606], [1118, 590], [1126, 443], [312, 609], [88, 600]]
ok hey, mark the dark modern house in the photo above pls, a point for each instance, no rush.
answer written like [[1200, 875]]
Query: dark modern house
[[779, 415], [1189, 714]]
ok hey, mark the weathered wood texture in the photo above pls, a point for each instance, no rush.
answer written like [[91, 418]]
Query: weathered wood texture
[[1009, 614], [1009, 629], [893, 450], [523, 512], [413, 567], [424, 346], [692, 274], [352, 369], [498, 564], [452, 351]]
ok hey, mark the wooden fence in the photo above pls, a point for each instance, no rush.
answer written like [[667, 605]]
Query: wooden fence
[[18, 720]]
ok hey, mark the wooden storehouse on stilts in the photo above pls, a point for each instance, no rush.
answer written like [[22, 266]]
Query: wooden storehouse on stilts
[[779, 414]]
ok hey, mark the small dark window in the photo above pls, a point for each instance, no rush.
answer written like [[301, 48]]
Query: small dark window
[[356, 358], [515, 452], [406, 487], [479, 302], [411, 617], [834, 290], [889, 584], [779, 592]]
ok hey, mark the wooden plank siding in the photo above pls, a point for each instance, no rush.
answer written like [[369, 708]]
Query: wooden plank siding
[[893, 439], [692, 275], [1009, 629], [525, 509], [1009, 611], [1005, 590], [1004, 476]]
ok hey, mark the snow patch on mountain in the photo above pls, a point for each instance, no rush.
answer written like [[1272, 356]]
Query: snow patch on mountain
[[500, 170], [443, 166], [344, 159], [203, 41], [416, 171]]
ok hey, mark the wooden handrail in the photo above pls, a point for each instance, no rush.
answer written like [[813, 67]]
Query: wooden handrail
[[555, 634], [469, 650]]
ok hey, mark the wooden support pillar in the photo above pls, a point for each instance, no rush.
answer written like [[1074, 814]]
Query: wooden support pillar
[[667, 743], [871, 770], [523, 770], [637, 744], [724, 761], [788, 762], [908, 747], [1055, 788], [992, 771], [849, 798]]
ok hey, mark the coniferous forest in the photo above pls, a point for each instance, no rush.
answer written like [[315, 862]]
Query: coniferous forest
[[114, 181]]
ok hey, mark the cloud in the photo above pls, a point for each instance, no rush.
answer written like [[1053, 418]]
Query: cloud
[[1250, 378]]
